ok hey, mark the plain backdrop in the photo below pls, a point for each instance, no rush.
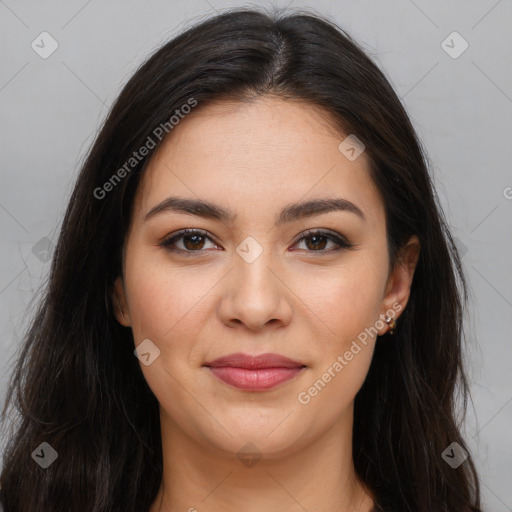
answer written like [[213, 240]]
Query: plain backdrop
[[459, 100]]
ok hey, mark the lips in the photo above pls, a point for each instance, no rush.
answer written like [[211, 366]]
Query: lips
[[249, 362], [254, 373]]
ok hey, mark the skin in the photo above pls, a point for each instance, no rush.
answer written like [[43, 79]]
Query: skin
[[296, 299]]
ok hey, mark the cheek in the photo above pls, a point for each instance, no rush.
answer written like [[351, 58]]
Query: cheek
[[347, 300], [167, 304], [343, 358], [171, 307]]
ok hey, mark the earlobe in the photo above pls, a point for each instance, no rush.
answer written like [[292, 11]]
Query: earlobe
[[400, 280], [119, 302]]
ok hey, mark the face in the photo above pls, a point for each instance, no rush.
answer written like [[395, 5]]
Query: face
[[257, 275]]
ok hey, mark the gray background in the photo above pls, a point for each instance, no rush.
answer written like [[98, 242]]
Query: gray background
[[461, 107]]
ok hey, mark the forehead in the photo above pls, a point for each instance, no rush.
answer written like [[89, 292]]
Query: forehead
[[258, 155]]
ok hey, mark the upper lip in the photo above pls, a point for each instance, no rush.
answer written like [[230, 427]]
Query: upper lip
[[251, 362]]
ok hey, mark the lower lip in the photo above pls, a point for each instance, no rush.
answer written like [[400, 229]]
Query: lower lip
[[264, 378]]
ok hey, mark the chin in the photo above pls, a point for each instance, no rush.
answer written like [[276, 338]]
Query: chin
[[269, 441]]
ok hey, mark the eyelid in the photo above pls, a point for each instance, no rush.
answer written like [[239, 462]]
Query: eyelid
[[330, 235], [168, 240]]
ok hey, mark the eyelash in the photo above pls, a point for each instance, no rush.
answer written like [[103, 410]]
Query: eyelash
[[341, 241]]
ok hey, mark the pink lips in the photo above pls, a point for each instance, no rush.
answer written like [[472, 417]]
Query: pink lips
[[254, 372]]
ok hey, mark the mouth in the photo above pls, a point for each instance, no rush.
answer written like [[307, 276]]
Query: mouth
[[254, 373]]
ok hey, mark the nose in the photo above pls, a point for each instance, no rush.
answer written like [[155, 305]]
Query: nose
[[255, 295]]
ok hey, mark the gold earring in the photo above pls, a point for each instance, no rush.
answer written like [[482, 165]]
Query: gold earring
[[392, 324]]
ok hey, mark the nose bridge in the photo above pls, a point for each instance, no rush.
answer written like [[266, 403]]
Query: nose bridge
[[255, 295], [252, 274]]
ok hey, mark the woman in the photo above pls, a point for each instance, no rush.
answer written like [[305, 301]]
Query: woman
[[256, 224]]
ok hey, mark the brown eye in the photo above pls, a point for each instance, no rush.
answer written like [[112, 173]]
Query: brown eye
[[193, 241], [187, 242], [316, 241]]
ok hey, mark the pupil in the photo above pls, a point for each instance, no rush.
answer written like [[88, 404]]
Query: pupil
[[318, 239], [195, 239]]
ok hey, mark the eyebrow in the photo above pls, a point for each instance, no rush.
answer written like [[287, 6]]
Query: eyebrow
[[289, 213]]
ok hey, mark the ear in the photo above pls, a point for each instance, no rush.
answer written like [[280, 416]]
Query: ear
[[120, 304], [398, 288]]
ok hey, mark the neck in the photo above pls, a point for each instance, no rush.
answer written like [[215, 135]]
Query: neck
[[318, 476]]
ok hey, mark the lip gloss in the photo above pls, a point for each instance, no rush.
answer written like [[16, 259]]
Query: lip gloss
[[258, 379]]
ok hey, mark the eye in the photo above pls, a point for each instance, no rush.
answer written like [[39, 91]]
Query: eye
[[316, 241], [191, 241]]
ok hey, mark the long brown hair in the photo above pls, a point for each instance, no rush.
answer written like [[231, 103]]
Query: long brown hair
[[78, 386]]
